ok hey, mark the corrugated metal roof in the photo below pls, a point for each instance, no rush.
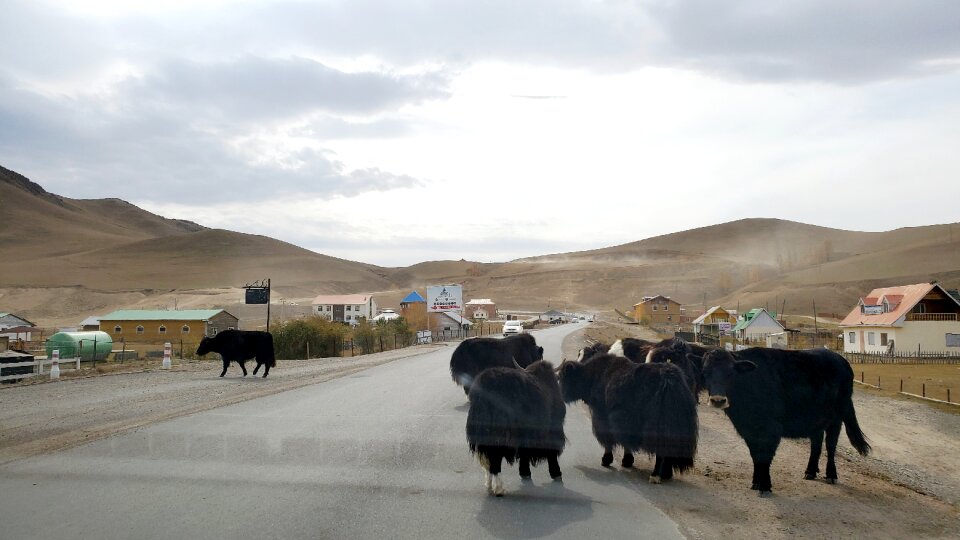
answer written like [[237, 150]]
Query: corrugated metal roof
[[413, 298], [162, 315], [910, 296], [341, 299]]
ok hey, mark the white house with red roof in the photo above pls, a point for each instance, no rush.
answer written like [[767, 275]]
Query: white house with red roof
[[348, 308], [907, 318]]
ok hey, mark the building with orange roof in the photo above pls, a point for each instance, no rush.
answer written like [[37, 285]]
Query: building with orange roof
[[922, 316]]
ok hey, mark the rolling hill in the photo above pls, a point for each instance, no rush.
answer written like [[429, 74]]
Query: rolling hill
[[66, 258]]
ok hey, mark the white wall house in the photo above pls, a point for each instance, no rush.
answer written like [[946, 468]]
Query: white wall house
[[757, 324], [906, 318], [348, 308]]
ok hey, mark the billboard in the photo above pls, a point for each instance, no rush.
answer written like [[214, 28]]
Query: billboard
[[442, 298], [258, 295]]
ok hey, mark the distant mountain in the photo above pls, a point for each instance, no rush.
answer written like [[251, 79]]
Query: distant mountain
[[66, 257]]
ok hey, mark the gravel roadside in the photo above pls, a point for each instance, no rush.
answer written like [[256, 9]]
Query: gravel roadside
[[40, 418]]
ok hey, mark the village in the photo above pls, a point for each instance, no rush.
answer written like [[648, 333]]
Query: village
[[900, 324]]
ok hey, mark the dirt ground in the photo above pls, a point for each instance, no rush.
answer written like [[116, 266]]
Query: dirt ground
[[909, 487], [76, 410]]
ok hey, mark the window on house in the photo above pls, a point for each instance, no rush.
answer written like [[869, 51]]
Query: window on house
[[669, 317], [654, 307], [139, 329], [883, 338], [871, 338], [853, 337], [117, 329], [185, 329], [921, 308], [163, 329], [953, 340]]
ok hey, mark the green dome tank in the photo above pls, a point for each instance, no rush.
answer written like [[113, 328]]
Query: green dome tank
[[74, 344]]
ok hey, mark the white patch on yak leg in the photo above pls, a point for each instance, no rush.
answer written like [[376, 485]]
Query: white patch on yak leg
[[488, 480], [497, 485], [617, 348]]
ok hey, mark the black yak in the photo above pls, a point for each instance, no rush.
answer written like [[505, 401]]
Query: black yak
[[477, 354], [769, 394], [686, 356], [516, 414], [634, 349], [640, 407], [239, 346], [592, 350]]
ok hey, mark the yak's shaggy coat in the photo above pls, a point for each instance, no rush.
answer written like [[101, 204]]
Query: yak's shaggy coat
[[640, 407], [474, 355], [516, 414]]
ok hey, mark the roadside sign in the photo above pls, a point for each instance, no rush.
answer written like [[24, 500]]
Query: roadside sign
[[442, 298], [725, 327]]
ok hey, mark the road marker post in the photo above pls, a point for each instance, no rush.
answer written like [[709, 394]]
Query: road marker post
[[55, 365], [166, 356]]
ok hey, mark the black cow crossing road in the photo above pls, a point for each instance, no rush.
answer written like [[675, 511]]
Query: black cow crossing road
[[378, 454]]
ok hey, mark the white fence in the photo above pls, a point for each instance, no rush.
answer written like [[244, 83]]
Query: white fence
[[38, 364]]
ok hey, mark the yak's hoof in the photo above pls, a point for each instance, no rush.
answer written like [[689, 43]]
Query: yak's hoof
[[755, 486], [264, 376], [627, 461], [831, 480], [655, 479], [557, 478], [606, 461], [809, 476], [527, 476], [765, 493]]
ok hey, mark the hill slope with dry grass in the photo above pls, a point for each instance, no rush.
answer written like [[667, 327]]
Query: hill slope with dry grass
[[67, 258]]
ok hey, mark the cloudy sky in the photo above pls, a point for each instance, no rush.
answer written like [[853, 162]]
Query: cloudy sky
[[394, 132]]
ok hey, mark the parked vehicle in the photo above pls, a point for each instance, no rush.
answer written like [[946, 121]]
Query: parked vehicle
[[512, 327]]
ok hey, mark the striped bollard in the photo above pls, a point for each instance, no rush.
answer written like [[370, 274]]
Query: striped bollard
[[55, 365], [166, 356]]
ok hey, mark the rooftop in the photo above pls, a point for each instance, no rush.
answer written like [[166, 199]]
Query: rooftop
[[162, 315], [341, 299]]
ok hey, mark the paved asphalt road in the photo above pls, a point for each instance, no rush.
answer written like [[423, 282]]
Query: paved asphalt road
[[378, 454]]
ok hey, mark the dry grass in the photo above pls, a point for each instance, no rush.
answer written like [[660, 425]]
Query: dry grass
[[937, 378]]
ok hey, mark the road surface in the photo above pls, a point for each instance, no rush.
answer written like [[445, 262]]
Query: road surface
[[377, 454]]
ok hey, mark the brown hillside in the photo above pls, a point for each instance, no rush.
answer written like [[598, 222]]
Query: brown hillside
[[65, 259]]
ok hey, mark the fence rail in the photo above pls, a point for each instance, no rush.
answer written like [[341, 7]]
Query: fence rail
[[931, 316], [37, 363], [903, 358]]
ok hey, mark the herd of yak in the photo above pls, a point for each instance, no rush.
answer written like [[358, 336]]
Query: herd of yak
[[643, 398]]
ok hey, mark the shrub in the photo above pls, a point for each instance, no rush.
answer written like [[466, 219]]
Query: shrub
[[290, 338]]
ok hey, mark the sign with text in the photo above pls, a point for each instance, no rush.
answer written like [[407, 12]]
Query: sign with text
[[724, 327], [442, 298], [258, 295]]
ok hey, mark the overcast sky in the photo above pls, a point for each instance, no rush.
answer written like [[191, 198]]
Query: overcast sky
[[396, 132]]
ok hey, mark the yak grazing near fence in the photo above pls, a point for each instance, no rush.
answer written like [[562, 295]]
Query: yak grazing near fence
[[239, 346], [769, 394], [477, 354], [646, 407], [516, 414]]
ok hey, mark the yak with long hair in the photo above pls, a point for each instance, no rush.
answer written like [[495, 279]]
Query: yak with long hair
[[516, 414], [639, 407], [474, 355]]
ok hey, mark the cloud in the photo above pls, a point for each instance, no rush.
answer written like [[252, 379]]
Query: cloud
[[254, 88], [847, 41], [148, 143]]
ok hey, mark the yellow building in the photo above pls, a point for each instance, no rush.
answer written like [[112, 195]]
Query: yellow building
[[158, 326], [657, 310]]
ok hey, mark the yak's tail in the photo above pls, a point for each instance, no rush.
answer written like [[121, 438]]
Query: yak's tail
[[856, 436], [674, 419], [266, 354], [492, 421]]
